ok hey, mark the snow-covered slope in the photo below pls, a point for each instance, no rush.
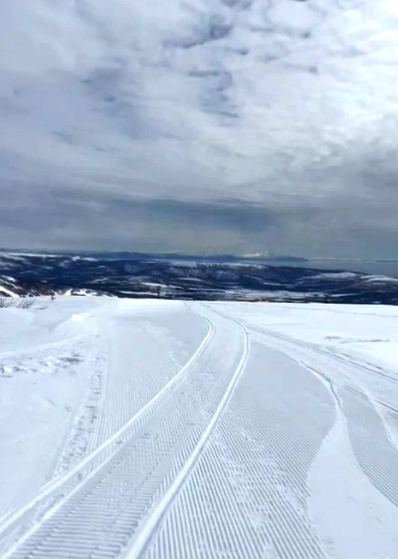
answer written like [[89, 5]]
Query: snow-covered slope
[[158, 429]]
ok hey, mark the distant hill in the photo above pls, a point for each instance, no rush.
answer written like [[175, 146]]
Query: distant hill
[[132, 275]]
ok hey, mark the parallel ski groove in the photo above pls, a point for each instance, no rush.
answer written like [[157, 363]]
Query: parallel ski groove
[[137, 475], [161, 508], [247, 495], [225, 459], [367, 433], [128, 391], [149, 408], [342, 358], [365, 425]]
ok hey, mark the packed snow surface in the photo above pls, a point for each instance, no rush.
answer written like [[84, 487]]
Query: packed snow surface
[[171, 430]]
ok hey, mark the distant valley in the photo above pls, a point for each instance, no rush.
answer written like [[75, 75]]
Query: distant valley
[[174, 277]]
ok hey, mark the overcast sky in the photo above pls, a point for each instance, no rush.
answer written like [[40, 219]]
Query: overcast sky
[[237, 126]]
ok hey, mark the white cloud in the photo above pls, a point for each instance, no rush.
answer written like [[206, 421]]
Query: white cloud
[[282, 104]]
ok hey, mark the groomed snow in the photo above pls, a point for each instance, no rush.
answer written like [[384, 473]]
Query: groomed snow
[[171, 430]]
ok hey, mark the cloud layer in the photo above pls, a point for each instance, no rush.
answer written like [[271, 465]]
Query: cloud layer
[[232, 125]]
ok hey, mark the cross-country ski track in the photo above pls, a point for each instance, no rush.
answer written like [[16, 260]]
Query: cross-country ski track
[[163, 429]]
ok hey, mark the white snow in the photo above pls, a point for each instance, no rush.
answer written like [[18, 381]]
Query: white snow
[[6, 292], [335, 275], [381, 279], [163, 429]]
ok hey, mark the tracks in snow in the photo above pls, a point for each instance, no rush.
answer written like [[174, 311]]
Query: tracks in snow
[[93, 511], [364, 413], [247, 495], [339, 357], [370, 383], [141, 361], [53, 494], [211, 461], [159, 512]]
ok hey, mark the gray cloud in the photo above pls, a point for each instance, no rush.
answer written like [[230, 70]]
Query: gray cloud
[[229, 125]]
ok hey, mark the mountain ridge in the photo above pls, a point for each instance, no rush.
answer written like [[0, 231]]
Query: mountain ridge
[[32, 274]]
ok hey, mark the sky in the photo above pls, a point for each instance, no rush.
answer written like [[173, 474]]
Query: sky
[[239, 126]]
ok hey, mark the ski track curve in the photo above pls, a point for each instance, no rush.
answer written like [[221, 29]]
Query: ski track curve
[[376, 455], [340, 357], [247, 494], [98, 518], [141, 362], [61, 485], [372, 442], [208, 460], [380, 388], [157, 515]]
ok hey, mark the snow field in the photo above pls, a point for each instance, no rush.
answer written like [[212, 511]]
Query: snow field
[[137, 474], [201, 430]]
